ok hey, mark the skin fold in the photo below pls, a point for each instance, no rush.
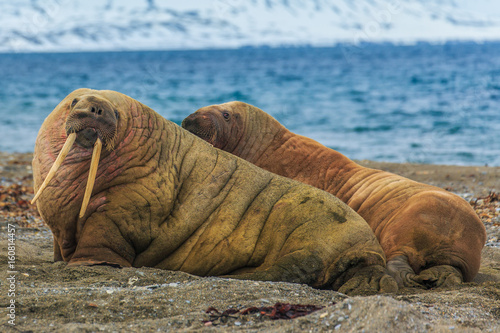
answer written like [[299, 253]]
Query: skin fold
[[430, 237], [164, 198]]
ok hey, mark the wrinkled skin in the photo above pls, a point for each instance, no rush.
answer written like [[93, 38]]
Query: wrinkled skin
[[165, 198], [430, 237]]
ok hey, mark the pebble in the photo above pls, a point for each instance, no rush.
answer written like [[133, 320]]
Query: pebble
[[347, 306], [152, 286], [133, 280]]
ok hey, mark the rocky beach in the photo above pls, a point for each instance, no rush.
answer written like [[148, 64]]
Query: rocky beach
[[41, 296]]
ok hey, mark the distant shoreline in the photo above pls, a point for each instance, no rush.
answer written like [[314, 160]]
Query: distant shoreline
[[264, 47]]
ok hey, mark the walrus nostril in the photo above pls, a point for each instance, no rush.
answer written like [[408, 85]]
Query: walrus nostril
[[92, 110], [99, 112]]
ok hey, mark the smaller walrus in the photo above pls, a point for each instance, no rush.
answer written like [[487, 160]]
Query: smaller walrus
[[430, 237], [159, 196]]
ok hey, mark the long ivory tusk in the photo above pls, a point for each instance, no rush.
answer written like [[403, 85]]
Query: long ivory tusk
[[96, 154], [60, 158]]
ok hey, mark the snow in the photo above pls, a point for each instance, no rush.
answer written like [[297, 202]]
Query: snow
[[96, 25]]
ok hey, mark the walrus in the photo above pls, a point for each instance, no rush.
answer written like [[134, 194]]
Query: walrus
[[430, 237], [120, 185]]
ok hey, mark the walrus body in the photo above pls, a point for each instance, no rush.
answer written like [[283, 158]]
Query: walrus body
[[165, 198], [430, 237]]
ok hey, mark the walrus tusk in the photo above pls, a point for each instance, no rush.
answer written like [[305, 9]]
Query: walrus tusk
[[60, 158], [96, 154]]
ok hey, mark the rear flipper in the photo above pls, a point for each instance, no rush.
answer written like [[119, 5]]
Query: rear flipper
[[369, 280], [439, 276], [433, 277]]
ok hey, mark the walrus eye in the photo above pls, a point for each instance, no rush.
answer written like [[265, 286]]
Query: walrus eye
[[117, 115], [74, 102], [225, 115]]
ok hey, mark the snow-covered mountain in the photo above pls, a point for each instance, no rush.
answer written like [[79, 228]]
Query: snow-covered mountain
[[98, 25]]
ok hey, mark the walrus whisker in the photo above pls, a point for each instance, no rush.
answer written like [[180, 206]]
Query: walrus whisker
[[60, 158], [96, 154]]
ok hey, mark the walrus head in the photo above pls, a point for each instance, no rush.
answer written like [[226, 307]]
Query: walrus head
[[91, 121], [236, 127]]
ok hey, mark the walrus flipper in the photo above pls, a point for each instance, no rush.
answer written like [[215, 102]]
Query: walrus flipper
[[439, 276], [363, 272], [102, 243], [369, 280], [433, 277]]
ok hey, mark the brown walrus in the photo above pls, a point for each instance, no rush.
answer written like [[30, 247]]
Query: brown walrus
[[159, 196], [430, 237]]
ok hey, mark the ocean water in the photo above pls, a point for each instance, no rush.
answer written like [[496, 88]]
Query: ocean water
[[424, 103]]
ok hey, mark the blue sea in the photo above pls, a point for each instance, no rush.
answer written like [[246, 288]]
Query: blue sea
[[423, 103]]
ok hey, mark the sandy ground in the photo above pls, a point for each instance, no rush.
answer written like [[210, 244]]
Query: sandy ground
[[51, 297]]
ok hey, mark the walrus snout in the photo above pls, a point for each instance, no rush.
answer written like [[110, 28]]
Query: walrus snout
[[202, 125], [194, 119], [92, 117]]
